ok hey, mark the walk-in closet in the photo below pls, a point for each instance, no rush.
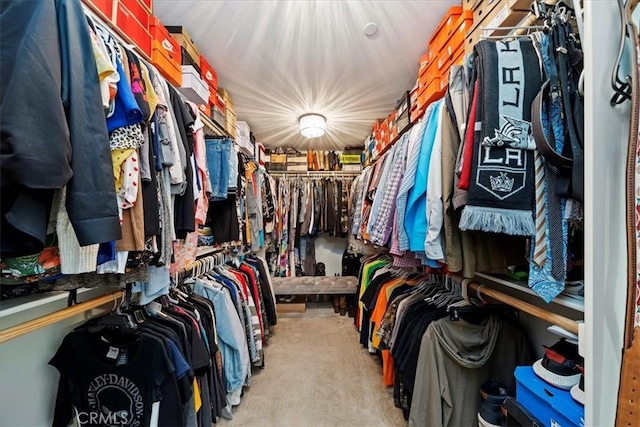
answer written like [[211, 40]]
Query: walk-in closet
[[320, 213]]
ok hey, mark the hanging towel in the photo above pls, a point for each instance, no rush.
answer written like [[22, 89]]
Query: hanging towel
[[502, 178]]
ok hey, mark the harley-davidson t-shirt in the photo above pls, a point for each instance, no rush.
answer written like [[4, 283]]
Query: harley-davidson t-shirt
[[109, 384]]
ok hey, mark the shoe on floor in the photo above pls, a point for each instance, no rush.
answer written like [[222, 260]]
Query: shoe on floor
[[561, 365], [493, 395]]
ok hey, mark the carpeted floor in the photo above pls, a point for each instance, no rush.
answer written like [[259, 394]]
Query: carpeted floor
[[316, 374]]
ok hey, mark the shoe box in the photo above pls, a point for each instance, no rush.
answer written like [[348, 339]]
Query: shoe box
[[553, 406]]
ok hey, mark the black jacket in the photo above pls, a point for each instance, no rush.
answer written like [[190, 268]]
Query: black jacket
[[52, 125]]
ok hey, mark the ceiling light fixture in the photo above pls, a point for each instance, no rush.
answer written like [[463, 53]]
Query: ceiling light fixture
[[312, 125]]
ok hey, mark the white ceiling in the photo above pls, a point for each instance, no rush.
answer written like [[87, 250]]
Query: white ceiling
[[282, 59]]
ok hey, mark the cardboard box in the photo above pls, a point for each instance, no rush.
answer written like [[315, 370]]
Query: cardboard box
[[501, 14], [184, 39], [230, 123]]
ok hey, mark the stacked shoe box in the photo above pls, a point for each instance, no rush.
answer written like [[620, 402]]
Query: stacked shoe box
[[296, 161], [351, 160], [243, 138], [552, 389]]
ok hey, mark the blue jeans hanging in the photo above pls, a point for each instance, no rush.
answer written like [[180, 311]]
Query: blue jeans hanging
[[218, 164]]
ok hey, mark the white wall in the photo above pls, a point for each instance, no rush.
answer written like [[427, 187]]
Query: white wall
[[606, 131], [28, 384], [329, 250]]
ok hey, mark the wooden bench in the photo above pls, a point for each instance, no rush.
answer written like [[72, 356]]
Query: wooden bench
[[315, 285]]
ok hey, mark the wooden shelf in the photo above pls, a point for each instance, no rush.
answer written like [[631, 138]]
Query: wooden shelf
[[212, 127], [202, 251], [568, 301]]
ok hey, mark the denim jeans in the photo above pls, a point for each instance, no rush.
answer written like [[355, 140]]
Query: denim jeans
[[218, 164]]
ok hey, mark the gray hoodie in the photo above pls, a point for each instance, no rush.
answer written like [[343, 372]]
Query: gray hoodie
[[456, 357]]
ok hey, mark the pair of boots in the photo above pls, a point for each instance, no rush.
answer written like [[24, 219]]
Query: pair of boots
[[340, 304], [316, 161]]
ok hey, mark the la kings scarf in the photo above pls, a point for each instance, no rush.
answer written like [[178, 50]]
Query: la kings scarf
[[501, 190]]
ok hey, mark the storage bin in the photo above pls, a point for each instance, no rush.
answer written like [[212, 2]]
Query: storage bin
[[553, 406], [137, 32], [193, 87], [165, 53], [183, 38]]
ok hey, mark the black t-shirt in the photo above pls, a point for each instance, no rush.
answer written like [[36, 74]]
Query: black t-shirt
[[109, 384]]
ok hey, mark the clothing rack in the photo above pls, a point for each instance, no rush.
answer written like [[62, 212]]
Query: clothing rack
[[315, 174], [553, 318], [58, 316]]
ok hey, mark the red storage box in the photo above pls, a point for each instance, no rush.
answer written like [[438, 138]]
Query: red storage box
[[209, 75], [138, 10], [446, 28], [102, 7], [166, 54], [148, 4], [130, 26]]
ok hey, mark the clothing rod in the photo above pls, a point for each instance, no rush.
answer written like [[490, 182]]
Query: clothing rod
[[58, 316], [310, 173], [553, 318]]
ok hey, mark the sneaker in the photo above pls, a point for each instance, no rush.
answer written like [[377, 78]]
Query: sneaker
[[577, 391], [561, 365], [493, 395]]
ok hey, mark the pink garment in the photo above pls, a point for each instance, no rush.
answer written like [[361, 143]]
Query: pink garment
[[199, 151]]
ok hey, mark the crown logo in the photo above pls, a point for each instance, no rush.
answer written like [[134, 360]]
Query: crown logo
[[501, 183]]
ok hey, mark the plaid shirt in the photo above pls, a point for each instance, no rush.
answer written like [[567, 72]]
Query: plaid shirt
[[381, 228]]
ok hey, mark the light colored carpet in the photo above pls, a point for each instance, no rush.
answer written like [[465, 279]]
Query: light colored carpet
[[317, 374]]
